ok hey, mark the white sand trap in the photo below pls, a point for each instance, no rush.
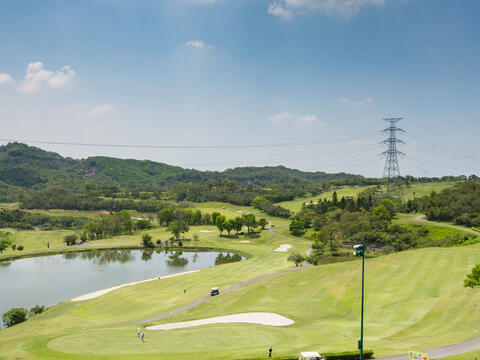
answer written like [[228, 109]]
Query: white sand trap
[[259, 318], [207, 231], [240, 211], [98, 293], [244, 241], [283, 248]]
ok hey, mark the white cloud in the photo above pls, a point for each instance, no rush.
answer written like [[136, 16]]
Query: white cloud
[[37, 78], [101, 110], [287, 8], [293, 119], [359, 103], [276, 9], [6, 79], [199, 44]]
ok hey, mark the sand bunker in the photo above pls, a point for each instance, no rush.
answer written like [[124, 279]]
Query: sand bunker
[[98, 293], [259, 318], [244, 241], [283, 248], [207, 231]]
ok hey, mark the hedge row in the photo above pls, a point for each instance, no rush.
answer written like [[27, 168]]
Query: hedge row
[[347, 355]]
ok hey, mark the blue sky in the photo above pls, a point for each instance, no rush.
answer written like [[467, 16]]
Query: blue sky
[[239, 72]]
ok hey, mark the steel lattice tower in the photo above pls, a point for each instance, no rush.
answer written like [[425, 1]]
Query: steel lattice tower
[[392, 170]]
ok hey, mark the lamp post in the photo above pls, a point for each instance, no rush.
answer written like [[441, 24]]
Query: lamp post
[[360, 251]]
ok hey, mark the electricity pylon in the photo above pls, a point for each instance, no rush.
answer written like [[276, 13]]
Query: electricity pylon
[[391, 169]]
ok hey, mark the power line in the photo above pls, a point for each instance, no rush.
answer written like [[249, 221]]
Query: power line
[[236, 146]]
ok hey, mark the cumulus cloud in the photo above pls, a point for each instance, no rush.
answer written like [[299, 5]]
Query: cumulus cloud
[[359, 103], [276, 9], [38, 78], [199, 44], [101, 110], [294, 119], [287, 8], [6, 79]]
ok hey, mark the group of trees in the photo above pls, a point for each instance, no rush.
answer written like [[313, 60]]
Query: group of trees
[[22, 220], [18, 315], [459, 204], [116, 223], [237, 223], [365, 220]]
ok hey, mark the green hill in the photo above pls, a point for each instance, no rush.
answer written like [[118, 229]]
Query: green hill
[[33, 168]]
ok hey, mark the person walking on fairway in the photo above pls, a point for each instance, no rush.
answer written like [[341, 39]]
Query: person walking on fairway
[[138, 332], [184, 290], [270, 352], [142, 337]]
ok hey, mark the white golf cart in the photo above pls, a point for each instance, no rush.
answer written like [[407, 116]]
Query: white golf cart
[[311, 355]]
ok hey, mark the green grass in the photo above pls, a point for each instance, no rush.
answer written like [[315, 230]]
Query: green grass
[[414, 299], [473, 355], [410, 297], [421, 189], [296, 204]]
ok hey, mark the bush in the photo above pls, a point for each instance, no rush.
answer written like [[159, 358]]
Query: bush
[[147, 241], [20, 247], [14, 316], [70, 239], [296, 258], [37, 309]]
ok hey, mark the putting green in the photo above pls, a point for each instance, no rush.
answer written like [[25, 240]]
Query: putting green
[[108, 342]]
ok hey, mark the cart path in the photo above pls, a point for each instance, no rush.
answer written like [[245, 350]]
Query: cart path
[[422, 219], [206, 298], [444, 351]]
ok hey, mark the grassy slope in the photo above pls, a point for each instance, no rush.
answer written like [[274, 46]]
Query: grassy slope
[[411, 296]]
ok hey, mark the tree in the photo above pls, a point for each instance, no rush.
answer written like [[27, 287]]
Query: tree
[[14, 316], [37, 309], [296, 258], [147, 241], [249, 221], [229, 225], [473, 279], [164, 216], [70, 239], [238, 224], [220, 221], [177, 228], [262, 223], [214, 217], [297, 228]]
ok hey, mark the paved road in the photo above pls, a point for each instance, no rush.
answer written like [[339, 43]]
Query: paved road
[[421, 218], [206, 298], [444, 351]]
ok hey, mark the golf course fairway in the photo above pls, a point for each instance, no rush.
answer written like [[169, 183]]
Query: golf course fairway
[[414, 299]]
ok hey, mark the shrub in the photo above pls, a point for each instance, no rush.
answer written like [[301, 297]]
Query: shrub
[[20, 247], [14, 246], [159, 242], [296, 258], [473, 279], [14, 316], [70, 239], [297, 228], [147, 241], [37, 309]]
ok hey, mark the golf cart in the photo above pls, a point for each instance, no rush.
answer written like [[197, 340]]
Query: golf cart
[[214, 291], [311, 355]]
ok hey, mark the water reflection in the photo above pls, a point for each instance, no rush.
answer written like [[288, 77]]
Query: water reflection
[[103, 257], [227, 258], [147, 255], [175, 259], [5, 263]]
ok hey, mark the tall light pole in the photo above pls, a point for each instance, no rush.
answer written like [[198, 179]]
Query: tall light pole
[[360, 251]]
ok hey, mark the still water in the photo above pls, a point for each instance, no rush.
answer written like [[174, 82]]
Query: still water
[[48, 280]]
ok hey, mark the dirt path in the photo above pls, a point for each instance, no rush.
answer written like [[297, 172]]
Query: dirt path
[[421, 218], [206, 298]]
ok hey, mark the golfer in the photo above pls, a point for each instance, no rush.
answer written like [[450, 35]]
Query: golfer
[[138, 332], [142, 337]]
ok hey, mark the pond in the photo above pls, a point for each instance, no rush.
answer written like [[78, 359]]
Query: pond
[[48, 280]]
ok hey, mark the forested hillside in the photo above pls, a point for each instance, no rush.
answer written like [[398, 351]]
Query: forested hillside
[[460, 204]]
